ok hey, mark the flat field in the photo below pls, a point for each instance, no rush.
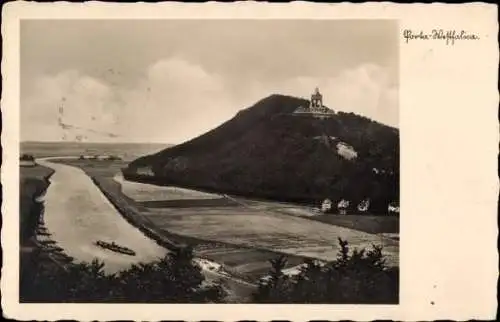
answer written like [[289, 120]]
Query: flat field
[[244, 235], [384, 224], [267, 230], [141, 192], [246, 262]]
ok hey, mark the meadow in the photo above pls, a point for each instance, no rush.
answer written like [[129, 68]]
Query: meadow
[[246, 262], [141, 192], [368, 223], [243, 235]]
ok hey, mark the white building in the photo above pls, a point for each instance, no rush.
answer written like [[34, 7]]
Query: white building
[[364, 205], [326, 205], [342, 206], [393, 208]]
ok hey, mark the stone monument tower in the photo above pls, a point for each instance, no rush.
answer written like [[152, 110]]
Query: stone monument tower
[[316, 100]]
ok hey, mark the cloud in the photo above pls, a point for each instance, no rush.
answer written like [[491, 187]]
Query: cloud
[[175, 100], [365, 90], [74, 99]]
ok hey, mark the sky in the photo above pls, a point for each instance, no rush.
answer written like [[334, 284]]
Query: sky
[[168, 81]]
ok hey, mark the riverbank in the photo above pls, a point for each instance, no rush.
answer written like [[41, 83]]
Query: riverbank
[[36, 246], [86, 203], [33, 183], [75, 211], [164, 238], [34, 236], [243, 237], [78, 214], [104, 214]]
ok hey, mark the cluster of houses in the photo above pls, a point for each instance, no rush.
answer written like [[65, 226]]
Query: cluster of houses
[[99, 157], [343, 206]]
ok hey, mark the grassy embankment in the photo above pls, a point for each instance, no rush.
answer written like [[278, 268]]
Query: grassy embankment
[[159, 223], [366, 223], [205, 248], [49, 276], [102, 172], [33, 182]]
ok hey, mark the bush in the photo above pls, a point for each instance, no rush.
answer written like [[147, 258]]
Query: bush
[[27, 157], [354, 277], [173, 279]]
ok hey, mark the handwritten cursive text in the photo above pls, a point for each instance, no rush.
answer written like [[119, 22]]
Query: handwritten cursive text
[[448, 36]]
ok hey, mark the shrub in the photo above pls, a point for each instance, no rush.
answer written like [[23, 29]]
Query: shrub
[[173, 279], [27, 157], [353, 277]]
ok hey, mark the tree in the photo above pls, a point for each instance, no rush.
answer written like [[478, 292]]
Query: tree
[[173, 279], [273, 289], [176, 278], [184, 272], [357, 276]]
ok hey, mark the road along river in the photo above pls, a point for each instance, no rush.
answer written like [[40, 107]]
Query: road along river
[[77, 214]]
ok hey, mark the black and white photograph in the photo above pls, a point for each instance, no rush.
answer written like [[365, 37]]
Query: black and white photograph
[[209, 161], [249, 161]]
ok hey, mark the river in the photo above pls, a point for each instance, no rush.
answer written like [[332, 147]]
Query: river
[[77, 214]]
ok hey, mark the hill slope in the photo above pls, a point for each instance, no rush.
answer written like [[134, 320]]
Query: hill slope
[[266, 151]]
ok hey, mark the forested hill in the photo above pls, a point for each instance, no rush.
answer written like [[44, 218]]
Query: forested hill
[[267, 151]]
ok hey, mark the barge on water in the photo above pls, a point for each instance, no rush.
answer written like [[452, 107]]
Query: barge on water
[[115, 247]]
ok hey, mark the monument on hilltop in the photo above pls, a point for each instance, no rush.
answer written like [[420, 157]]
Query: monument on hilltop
[[316, 107], [316, 102]]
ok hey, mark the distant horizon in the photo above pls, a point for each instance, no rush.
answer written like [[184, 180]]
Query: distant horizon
[[98, 142]]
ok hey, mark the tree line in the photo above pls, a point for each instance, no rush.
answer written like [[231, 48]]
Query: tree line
[[355, 276], [172, 279]]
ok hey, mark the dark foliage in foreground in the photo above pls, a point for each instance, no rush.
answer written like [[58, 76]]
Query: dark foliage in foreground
[[354, 277], [174, 279], [254, 153], [357, 277]]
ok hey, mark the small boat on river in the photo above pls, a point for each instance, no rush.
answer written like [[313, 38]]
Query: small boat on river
[[115, 247]]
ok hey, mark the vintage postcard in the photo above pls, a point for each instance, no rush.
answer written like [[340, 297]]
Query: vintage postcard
[[298, 161]]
